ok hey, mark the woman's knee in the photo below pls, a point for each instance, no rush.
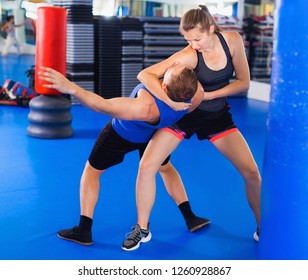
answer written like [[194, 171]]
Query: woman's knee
[[147, 168], [252, 174]]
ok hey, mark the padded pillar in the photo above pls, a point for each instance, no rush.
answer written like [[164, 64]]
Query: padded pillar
[[284, 193], [50, 115], [50, 43]]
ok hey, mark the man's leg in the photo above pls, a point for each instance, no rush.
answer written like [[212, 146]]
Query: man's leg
[[17, 45], [176, 190], [89, 191], [7, 45]]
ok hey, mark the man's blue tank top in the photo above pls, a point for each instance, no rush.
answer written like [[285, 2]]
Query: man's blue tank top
[[212, 80], [140, 131]]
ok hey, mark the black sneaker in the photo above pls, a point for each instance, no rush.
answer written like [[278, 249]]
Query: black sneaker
[[137, 236], [73, 234], [256, 235], [196, 223]]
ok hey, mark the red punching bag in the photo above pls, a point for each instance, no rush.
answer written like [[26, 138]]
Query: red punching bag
[[50, 44]]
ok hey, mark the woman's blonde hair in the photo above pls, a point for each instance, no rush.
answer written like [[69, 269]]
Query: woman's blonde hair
[[198, 18]]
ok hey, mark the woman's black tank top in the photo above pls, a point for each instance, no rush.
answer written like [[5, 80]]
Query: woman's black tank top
[[212, 80]]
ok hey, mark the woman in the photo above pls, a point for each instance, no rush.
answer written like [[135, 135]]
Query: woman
[[214, 55]]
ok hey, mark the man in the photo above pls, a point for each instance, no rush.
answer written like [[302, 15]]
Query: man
[[9, 28], [135, 120]]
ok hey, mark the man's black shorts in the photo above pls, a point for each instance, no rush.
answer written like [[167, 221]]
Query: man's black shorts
[[110, 149]]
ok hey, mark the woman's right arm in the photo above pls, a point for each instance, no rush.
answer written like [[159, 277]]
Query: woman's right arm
[[149, 76]]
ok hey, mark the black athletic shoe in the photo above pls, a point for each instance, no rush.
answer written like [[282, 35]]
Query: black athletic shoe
[[74, 235], [137, 236], [256, 235], [197, 223]]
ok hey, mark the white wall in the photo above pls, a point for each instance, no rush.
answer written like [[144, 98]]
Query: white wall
[[259, 91]]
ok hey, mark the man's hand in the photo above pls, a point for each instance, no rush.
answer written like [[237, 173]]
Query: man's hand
[[56, 80]]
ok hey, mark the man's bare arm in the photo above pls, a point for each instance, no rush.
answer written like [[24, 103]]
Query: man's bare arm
[[119, 107]]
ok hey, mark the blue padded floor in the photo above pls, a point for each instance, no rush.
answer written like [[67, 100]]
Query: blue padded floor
[[39, 191]]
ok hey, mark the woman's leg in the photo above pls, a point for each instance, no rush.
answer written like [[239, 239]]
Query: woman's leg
[[159, 148], [234, 147]]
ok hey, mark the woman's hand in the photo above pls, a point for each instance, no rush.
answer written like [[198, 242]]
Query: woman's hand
[[208, 95], [56, 80], [178, 106]]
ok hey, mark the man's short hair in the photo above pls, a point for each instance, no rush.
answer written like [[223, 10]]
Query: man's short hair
[[182, 84], [8, 18]]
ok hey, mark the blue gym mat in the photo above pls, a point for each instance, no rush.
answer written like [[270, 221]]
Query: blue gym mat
[[39, 191]]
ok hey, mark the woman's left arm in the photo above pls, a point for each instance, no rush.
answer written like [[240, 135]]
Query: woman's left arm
[[241, 69]]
